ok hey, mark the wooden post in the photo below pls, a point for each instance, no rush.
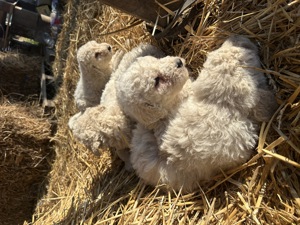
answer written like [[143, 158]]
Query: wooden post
[[43, 94]]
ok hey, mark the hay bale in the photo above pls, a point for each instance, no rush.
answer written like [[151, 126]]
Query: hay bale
[[20, 73], [90, 190], [24, 160]]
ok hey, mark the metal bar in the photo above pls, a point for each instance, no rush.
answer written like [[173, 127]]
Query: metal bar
[[43, 94]]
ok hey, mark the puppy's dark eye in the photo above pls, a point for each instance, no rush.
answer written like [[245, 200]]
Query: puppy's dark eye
[[157, 79], [109, 48], [179, 63]]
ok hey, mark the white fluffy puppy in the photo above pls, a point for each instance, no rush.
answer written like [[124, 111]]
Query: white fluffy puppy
[[149, 90], [214, 129], [106, 125], [95, 67]]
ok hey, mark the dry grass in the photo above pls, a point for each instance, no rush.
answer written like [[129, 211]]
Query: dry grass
[[20, 73], [24, 159], [84, 189]]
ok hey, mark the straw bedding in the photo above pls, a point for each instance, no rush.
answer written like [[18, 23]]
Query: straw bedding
[[24, 159], [20, 73], [85, 189]]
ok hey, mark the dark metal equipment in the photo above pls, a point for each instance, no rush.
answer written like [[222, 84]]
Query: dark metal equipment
[[25, 22]]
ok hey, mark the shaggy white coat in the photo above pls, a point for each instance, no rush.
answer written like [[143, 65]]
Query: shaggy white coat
[[151, 88], [106, 125], [94, 61], [215, 128]]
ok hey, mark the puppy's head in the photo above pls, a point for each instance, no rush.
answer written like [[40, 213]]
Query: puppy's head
[[150, 85], [95, 54]]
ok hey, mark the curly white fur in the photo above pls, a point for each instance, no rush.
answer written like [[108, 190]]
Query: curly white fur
[[106, 125], [95, 67], [149, 90], [214, 129]]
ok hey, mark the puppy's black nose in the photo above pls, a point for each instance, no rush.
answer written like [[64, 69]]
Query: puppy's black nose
[[109, 48], [179, 63]]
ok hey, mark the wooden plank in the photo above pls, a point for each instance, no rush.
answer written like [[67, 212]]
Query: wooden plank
[[145, 9]]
